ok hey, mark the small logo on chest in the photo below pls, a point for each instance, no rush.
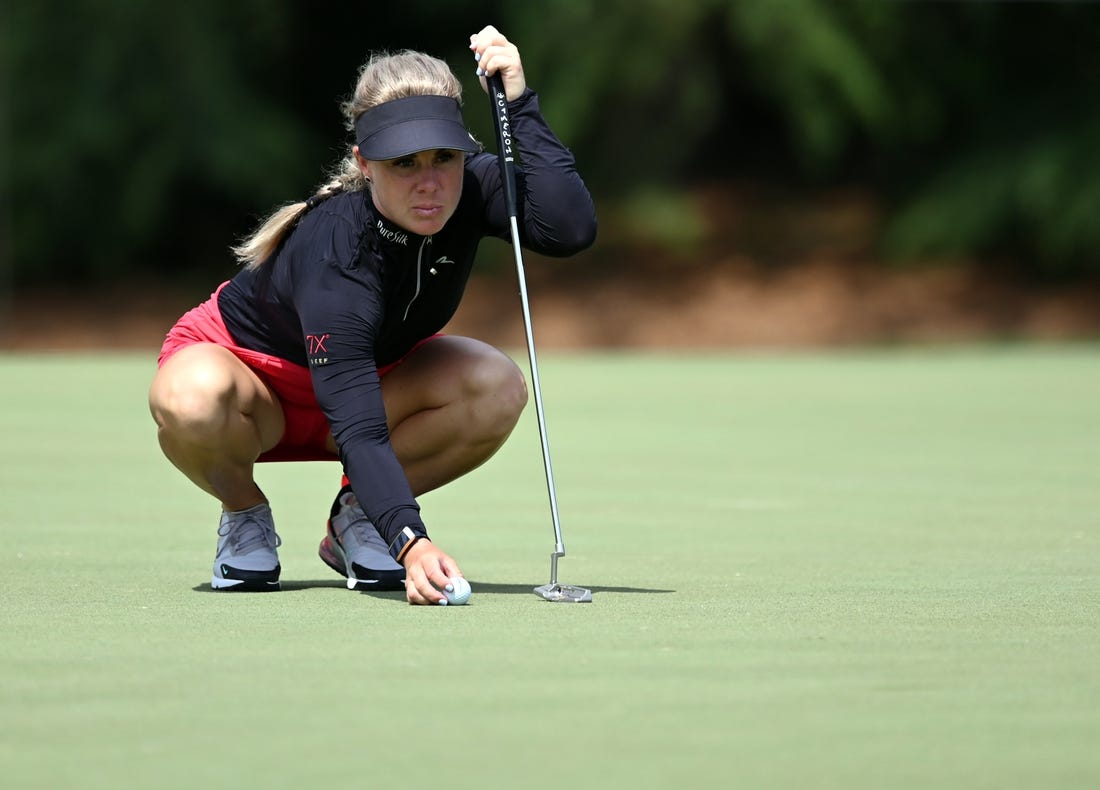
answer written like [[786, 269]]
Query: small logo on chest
[[440, 262]]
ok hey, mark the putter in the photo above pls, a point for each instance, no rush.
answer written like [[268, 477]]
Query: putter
[[554, 590]]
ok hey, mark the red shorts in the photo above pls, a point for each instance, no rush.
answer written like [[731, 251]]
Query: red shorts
[[307, 430]]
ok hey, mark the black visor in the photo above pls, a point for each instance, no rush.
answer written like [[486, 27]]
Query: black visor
[[406, 126]]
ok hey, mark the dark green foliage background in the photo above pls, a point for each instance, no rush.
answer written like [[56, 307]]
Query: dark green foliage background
[[139, 138]]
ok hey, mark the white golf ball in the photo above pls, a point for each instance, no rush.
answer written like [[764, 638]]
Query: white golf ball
[[457, 591]]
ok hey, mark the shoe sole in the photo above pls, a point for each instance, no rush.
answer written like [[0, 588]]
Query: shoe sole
[[235, 585], [239, 580]]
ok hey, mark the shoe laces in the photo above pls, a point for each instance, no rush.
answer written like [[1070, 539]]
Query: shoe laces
[[247, 531], [357, 522]]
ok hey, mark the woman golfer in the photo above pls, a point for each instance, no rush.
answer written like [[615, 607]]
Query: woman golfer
[[325, 345]]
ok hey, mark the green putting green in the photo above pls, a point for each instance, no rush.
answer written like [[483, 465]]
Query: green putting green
[[863, 569]]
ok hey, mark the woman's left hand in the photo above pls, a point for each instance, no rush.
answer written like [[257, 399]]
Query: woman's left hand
[[427, 571], [496, 53]]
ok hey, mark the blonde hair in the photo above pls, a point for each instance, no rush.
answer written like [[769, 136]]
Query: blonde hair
[[383, 78]]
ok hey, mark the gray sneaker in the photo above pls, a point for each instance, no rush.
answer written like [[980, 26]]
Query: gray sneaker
[[354, 549], [247, 560]]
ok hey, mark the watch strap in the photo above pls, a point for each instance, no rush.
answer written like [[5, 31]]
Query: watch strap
[[405, 540]]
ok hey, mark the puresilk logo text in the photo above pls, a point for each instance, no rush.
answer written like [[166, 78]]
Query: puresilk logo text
[[505, 127], [396, 236]]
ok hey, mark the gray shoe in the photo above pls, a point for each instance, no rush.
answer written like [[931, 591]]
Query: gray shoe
[[354, 549], [247, 560]]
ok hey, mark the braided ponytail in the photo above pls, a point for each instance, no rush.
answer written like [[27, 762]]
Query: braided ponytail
[[266, 239]]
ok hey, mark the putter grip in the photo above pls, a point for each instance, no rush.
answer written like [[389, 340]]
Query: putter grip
[[498, 100]]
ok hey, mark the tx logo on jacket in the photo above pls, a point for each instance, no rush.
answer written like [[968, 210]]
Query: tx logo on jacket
[[316, 351]]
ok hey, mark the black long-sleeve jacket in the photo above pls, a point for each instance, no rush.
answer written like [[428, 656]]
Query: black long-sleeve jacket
[[349, 292]]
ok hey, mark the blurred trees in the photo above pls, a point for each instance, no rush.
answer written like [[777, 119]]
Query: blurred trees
[[139, 140]]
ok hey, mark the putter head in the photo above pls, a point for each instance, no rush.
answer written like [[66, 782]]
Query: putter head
[[563, 593]]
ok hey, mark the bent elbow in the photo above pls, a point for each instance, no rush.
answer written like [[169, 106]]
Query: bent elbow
[[584, 236], [570, 238]]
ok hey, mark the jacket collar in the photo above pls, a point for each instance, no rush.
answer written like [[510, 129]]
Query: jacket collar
[[391, 235]]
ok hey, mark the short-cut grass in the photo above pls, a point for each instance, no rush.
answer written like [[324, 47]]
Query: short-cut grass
[[858, 569]]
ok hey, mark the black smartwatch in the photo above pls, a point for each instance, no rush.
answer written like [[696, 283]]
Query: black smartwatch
[[405, 540]]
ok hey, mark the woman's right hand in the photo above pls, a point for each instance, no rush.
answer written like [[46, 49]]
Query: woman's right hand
[[496, 53], [427, 571]]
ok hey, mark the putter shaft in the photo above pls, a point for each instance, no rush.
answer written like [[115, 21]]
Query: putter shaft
[[536, 385], [499, 102]]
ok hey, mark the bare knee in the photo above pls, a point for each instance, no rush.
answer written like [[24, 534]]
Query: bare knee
[[462, 388], [192, 400], [497, 393]]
